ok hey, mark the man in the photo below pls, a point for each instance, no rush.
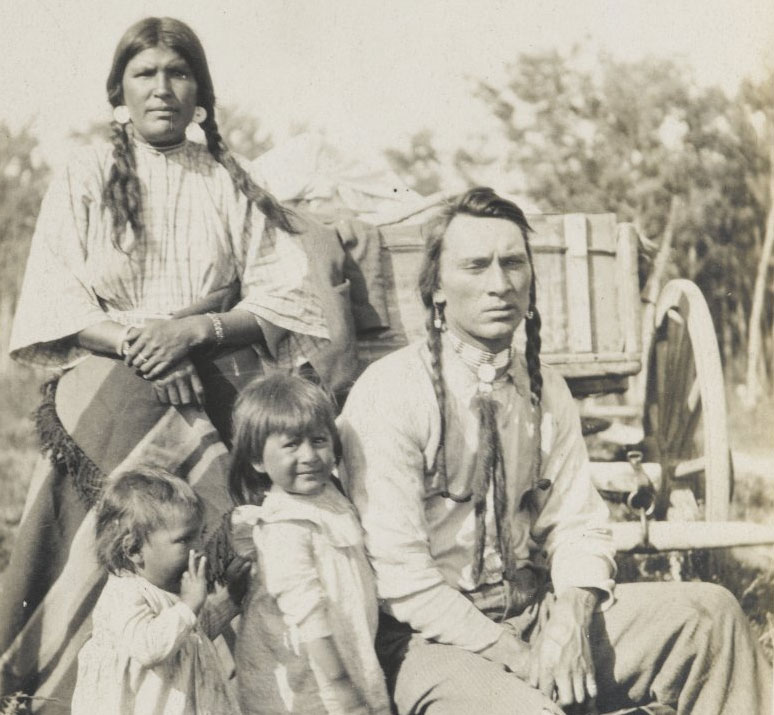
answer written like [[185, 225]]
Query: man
[[492, 555]]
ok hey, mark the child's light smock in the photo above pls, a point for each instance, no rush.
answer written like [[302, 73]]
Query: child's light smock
[[312, 579], [148, 654]]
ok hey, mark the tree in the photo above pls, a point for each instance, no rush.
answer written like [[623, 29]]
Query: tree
[[629, 137], [243, 132], [759, 101], [418, 165], [23, 178]]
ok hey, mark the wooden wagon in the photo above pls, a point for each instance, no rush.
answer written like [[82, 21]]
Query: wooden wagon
[[676, 476]]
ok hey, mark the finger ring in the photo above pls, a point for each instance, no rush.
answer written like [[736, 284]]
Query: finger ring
[[142, 358]]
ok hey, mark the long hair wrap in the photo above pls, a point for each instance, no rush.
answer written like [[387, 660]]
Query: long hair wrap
[[489, 469]]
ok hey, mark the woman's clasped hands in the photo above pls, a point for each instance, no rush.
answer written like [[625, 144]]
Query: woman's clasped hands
[[160, 352]]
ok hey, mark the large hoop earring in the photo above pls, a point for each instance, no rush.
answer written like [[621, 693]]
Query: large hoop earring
[[199, 115], [439, 322], [121, 114]]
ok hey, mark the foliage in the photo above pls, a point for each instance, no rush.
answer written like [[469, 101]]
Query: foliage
[[18, 449], [418, 164], [628, 140], [94, 132], [243, 132], [629, 137], [23, 177]]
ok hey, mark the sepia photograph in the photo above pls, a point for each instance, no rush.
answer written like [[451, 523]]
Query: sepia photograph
[[387, 356]]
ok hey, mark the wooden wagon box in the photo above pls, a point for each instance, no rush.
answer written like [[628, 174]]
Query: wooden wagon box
[[587, 294]]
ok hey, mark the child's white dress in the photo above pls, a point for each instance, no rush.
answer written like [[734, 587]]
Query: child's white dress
[[312, 579], [148, 653]]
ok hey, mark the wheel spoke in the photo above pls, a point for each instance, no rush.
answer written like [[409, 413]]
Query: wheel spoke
[[680, 367], [689, 468], [686, 446], [660, 355], [684, 414]]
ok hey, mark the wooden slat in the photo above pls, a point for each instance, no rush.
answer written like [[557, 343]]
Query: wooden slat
[[614, 412], [592, 364], [627, 278], [602, 239], [548, 256], [687, 535], [596, 384], [577, 284], [601, 358], [602, 233]]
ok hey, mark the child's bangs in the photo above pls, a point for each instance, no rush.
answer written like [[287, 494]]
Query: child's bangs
[[296, 419]]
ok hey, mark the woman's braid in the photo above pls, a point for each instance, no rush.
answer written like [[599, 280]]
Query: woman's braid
[[268, 205], [122, 194]]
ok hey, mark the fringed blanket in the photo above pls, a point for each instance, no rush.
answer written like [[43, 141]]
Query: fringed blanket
[[99, 418]]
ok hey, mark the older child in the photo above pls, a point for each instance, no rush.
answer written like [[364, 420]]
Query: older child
[[306, 635], [149, 651]]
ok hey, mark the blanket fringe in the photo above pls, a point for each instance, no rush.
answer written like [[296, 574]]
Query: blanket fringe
[[70, 461], [219, 551], [66, 456]]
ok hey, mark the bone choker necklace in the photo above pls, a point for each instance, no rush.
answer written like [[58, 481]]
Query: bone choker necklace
[[484, 364]]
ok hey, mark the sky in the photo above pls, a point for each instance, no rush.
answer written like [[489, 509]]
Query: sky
[[367, 72]]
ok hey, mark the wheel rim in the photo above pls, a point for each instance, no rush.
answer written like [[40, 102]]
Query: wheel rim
[[685, 410]]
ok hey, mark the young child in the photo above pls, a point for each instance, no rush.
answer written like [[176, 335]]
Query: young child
[[305, 643], [149, 651]]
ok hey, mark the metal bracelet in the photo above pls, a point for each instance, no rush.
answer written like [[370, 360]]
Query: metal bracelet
[[217, 326]]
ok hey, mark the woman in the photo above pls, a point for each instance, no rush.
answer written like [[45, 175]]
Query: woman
[[160, 277]]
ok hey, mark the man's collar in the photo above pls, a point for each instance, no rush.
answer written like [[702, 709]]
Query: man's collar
[[486, 367], [463, 378], [474, 357]]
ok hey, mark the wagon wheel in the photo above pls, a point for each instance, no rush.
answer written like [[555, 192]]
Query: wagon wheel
[[685, 407]]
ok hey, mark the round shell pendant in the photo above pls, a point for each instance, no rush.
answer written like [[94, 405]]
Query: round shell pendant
[[486, 373]]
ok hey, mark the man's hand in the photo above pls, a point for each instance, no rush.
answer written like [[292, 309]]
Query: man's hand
[[560, 658], [511, 651]]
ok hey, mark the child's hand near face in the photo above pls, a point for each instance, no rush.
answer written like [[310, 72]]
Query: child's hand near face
[[193, 584]]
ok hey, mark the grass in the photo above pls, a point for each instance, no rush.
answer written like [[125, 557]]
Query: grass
[[14, 704], [752, 429], [18, 450]]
